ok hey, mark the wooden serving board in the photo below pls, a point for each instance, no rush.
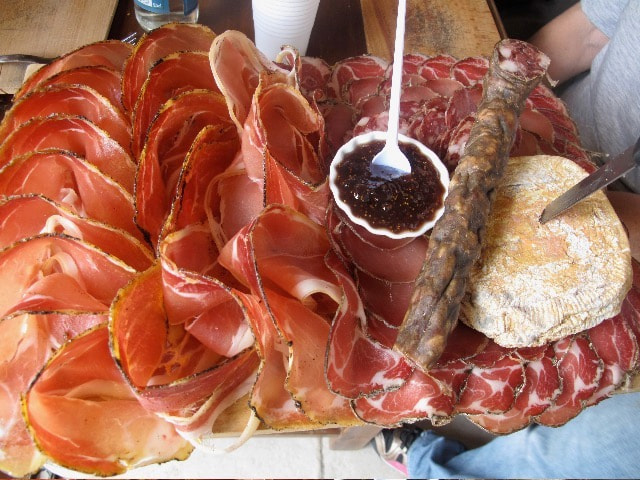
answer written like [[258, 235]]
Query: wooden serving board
[[461, 28], [49, 28]]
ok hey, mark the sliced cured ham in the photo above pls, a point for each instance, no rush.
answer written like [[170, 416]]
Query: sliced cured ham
[[71, 100], [174, 375], [26, 343], [82, 385], [170, 138], [54, 272], [237, 67], [104, 80], [170, 76], [75, 134], [72, 182], [109, 53], [31, 215], [167, 39]]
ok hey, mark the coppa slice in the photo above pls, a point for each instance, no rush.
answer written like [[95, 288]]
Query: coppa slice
[[536, 283], [454, 245]]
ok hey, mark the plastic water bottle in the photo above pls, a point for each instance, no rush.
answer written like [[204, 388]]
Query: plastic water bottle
[[154, 13]]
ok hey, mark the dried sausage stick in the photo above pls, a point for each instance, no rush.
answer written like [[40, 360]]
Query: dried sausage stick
[[515, 69]]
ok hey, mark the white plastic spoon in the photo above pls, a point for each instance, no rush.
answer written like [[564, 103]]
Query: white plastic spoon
[[391, 162]]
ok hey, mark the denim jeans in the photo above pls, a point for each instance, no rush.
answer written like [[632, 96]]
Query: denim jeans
[[603, 442]]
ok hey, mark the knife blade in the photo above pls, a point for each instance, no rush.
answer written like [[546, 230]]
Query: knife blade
[[606, 174]]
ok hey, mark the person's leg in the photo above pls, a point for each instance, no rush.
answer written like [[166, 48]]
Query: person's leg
[[602, 441]]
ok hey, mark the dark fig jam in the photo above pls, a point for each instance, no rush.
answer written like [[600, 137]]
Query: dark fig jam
[[397, 204]]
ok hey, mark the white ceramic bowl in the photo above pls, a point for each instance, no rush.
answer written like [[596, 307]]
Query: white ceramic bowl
[[354, 143]]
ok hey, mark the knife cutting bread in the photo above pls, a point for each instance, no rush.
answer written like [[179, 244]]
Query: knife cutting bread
[[535, 283]]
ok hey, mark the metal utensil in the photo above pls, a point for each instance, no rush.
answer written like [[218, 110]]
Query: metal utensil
[[22, 58], [608, 173]]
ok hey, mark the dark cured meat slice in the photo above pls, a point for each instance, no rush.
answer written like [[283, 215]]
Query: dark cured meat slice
[[580, 371], [357, 365], [55, 273], [73, 183], [75, 134], [71, 100], [81, 385], [363, 71], [153, 46], [491, 389], [104, 80], [170, 76], [30, 215], [170, 137], [109, 53], [421, 397], [454, 244], [541, 387], [27, 342]]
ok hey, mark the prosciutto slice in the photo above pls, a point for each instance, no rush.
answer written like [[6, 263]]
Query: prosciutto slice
[[173, 373], [72, 100], [53, 272], [75, 134], [170, 138], [72, 182], [26, 343], [31, 215], [167, 39], [174, 74], [81, 385], [109, 53]]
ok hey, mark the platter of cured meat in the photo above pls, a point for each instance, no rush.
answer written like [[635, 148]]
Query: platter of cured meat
[[170, 257]]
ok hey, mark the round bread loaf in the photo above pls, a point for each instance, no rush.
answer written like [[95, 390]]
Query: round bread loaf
[[536, 283]]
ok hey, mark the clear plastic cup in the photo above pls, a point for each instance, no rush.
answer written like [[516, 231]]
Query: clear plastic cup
[[283, 22]]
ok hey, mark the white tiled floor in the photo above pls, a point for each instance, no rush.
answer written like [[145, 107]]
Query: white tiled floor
[[274, 456]]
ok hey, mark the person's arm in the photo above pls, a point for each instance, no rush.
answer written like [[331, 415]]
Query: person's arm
[[571, 41]]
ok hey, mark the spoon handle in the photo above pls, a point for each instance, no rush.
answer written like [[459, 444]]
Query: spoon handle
[[396, 75]]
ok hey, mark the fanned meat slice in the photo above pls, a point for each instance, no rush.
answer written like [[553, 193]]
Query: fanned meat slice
[[170, 76], [492, 388], [82, 386], [167, 39], [282, 148], [198, 191], [72, 182], [108, 53], [389, 300], [580, 371], [175, 375], [107, 81], [470, 71], [357, 365], [53, 272], [301, 295], [422, 397], [313, 78], [26, 343], [436, 67], [30, 215], [75, 134], [237, 67], [208, 308], [71, 100], [170, 138]]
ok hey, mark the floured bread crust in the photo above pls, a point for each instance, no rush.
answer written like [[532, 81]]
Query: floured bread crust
[[537, 283]]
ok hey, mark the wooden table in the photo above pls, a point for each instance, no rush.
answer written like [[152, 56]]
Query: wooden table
[[458, 27]]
